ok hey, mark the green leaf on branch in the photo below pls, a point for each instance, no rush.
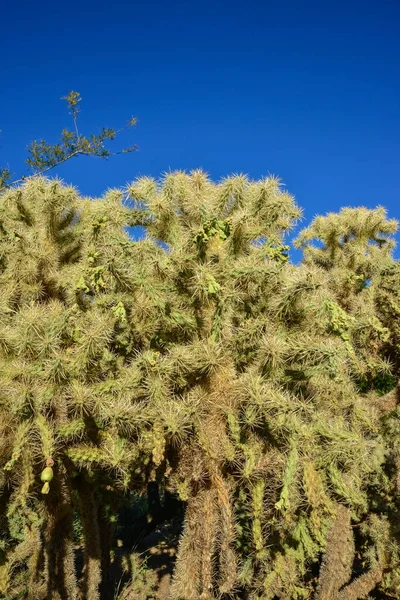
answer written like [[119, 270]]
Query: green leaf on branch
[[44, 156]]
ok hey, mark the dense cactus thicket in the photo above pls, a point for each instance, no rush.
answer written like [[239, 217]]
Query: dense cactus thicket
[[200, 363]]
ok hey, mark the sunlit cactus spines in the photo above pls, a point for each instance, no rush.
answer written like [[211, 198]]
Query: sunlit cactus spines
[[196, 364]]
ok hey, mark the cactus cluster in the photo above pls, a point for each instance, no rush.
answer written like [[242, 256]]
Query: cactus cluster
[[200, 359]]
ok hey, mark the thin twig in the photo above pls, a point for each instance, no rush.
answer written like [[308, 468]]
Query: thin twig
[[63, 160]]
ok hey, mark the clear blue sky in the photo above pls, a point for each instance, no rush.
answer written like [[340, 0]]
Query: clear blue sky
[[307, 90]]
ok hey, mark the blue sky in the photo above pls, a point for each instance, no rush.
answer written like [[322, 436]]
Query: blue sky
[[306, 90]]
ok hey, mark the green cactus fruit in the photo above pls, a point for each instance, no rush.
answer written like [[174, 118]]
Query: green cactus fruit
[[46, 474]]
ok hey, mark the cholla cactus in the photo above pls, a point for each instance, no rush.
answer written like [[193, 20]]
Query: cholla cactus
[[276, 430], [354, 248], [68, 419], [199, 358]]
